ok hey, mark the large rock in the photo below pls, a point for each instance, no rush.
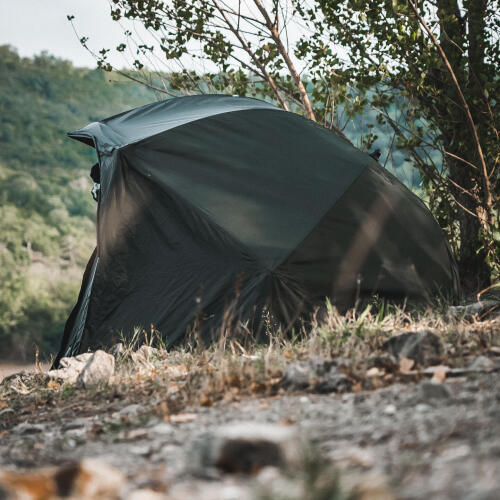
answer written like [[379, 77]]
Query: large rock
[[423, 347], [98, 370], [245, 448], [86, 370]]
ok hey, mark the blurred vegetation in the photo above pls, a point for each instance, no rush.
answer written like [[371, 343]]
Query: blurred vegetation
[[47, 215]]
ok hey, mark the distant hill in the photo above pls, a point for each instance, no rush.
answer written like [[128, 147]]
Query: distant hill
[[47, 227]]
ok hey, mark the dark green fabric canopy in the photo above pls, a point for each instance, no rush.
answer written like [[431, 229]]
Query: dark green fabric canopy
[[214, 202]]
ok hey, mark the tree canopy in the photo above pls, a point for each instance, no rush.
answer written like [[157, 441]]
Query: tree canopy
[[434, 61]]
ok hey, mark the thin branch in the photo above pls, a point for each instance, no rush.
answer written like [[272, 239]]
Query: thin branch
[[484, 172], [252, 55], [295, 75]]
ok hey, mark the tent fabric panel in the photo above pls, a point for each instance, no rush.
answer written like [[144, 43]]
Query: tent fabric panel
[[378, 238], [71, 323], [264, 177], [160, 263], [149, 120]]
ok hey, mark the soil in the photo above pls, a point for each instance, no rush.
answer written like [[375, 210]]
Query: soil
[[425, 440]]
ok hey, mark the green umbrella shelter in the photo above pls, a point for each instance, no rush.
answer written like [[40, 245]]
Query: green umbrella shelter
[[213, 202]]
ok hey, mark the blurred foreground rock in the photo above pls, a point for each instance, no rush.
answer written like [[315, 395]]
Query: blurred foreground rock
[[88, 479], [245, 448]]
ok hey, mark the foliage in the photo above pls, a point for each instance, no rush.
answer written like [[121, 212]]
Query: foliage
[[47, 215], [428, 69]]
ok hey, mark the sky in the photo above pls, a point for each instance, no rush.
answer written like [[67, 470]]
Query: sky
[[32, 26]]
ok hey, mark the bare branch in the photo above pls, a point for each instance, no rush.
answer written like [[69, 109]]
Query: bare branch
[[295, 75], [488, 206], [251, 53]]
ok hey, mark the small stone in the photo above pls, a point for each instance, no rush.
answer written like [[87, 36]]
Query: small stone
[[146, 494], [144, 355], [117, 350], [130, 411], [320, 375], [352, 456], [423, 347], [374, 372], [133, 434], [484, 309], [423, 408], [432, 391], [390, 410], [163, 429], [210, 490], [296, 376], [385, 361], [372, 486], [333, 381], [27, 428], [481, 363], [77, 423], [143, 450], [455, 453]]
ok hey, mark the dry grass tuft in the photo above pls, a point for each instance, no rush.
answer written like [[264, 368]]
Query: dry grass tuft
[[169, 381]]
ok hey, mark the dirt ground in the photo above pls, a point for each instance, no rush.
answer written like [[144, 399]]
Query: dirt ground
[[421, 440], [7, 369]]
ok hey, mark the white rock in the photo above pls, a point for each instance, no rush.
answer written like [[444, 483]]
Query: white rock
[[71, 367], [99, 369]]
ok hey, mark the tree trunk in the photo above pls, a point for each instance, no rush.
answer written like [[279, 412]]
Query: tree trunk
[[457, 110], [473, 268]]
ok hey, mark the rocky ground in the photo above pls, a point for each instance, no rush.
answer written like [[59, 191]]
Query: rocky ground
[[417, 424]]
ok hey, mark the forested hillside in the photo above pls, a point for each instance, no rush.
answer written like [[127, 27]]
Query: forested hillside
[[47, 228]]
